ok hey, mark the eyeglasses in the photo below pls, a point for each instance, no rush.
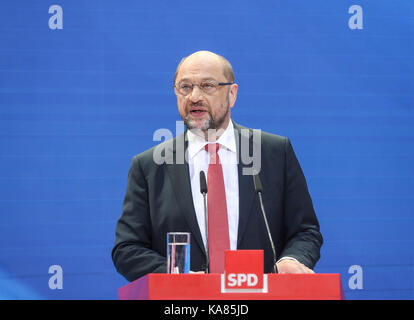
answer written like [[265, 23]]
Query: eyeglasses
[[208, 87]]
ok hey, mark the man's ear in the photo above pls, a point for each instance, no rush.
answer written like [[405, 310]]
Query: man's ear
[[233, 94]]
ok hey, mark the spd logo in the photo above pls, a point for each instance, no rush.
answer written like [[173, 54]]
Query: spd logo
[[244, 272]]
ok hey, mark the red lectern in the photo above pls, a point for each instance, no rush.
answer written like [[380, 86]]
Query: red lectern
[[240, 281]]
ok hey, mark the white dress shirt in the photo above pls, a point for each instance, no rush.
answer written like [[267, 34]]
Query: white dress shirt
[[198, 160]]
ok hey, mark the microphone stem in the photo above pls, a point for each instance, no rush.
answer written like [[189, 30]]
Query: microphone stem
[[268, 232], [206, 231]]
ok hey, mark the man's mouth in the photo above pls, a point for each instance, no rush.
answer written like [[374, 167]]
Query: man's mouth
[[197, 112]]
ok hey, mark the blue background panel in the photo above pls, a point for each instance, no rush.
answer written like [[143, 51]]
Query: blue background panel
[[76, 104]]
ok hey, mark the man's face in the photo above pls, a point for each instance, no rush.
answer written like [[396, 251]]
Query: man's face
[[198, 109]]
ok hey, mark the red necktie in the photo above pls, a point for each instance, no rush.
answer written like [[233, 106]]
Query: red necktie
[[218, 226]]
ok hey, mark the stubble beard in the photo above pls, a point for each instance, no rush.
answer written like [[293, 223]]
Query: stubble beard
[[210, 123]]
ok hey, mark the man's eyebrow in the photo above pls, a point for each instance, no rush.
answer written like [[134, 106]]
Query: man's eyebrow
[[202, 79]]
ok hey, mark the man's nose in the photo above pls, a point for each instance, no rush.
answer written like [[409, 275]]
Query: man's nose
[[196, 94]]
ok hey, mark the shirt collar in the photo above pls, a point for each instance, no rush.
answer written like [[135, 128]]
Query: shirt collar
[[197, 143]]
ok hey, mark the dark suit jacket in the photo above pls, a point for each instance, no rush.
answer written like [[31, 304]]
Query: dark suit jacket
[[158, 200]]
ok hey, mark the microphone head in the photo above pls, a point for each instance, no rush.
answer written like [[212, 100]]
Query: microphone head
[[257, 184], [203, 183]]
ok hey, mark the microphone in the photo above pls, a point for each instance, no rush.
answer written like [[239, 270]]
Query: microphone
[[203, 183], [259, 189], [203, 190]]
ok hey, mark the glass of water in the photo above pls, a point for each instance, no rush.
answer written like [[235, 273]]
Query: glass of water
[[178, 252]]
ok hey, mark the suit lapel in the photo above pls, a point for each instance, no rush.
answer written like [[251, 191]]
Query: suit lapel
[[179, 173], [246, 186]]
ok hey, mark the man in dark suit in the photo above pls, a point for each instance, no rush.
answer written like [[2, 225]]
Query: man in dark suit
[[163, 193]]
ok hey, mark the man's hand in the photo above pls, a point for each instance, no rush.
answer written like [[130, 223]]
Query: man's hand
[[292, 266]]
